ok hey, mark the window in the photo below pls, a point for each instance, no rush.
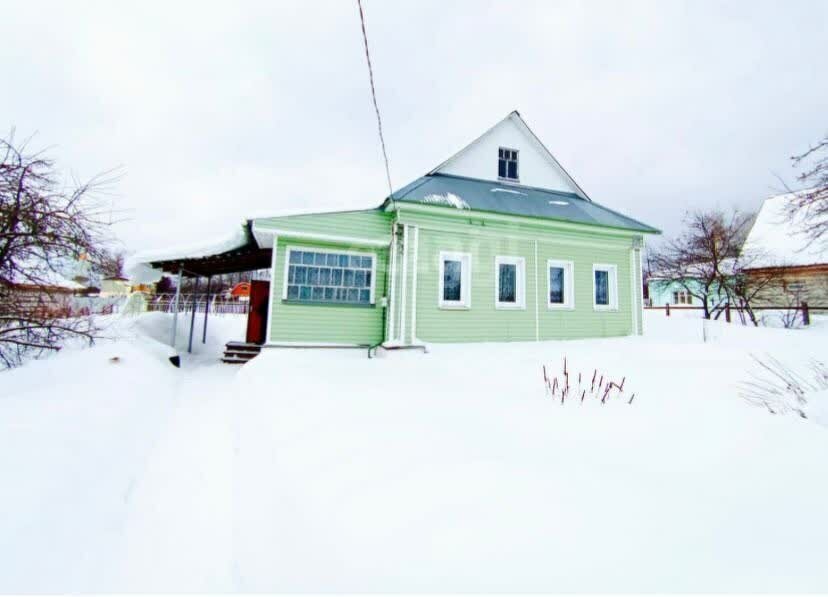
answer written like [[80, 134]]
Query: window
[[682, 297], [560, 290], [510, 283], [605, 286], [455, 280], [507, 164], [320, 276]]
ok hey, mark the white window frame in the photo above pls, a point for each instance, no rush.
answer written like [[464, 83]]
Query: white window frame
[[569, 284], [311, 249], [517, 165], [612, 286], [520, 282], [465, 279], [682, 297]]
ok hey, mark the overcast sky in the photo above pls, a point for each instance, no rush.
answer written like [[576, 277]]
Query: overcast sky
[[221, 111]]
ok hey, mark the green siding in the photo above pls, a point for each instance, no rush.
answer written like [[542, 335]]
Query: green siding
[[482, 236], [372, 224], [485, 240], [323, 323]]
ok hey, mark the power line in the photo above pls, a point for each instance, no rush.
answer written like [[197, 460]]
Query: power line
[[374, 98]]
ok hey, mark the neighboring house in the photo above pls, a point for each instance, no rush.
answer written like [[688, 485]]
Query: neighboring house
[[497, 243], [115, 286], [663, 290], [777, 246]]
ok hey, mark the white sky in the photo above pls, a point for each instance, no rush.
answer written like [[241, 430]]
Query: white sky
[[220, 111]]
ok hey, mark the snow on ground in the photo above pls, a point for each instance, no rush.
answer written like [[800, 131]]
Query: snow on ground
[[326, 471]]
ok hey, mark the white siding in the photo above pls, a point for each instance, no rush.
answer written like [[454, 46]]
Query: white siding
[[479, 160]]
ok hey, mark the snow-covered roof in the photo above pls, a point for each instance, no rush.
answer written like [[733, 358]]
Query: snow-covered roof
[[45, 276], [139, 269], [775, 240]]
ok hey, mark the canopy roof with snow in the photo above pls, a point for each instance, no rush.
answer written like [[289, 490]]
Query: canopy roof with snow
[[236, 252], [776, 240]]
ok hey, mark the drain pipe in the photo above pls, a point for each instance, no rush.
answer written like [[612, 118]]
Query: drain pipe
[[391, 300]]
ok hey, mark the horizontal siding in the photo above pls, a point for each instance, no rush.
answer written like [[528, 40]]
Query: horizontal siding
[[485, 241], [373, 224], [583, 320], [334, 324]]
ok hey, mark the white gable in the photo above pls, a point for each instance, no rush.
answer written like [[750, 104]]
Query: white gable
[[536, 166]]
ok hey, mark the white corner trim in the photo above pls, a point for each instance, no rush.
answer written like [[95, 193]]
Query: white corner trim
[[414, 286], [392, 291], [569, 284], [634, 301], [612, 286], [640, 307], [465, 260], [272, 294], [537, 300], [520, 282], [404, 284]]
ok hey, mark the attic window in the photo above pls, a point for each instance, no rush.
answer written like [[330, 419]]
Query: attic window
[[507, 164]]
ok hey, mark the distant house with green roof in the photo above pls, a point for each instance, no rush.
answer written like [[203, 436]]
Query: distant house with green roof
[[498, 243]]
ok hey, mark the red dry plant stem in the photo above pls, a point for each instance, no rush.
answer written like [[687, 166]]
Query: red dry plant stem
[[582, 395], [631, 399]]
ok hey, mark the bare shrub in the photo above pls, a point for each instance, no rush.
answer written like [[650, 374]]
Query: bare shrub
[[596, 386], [780, 388]]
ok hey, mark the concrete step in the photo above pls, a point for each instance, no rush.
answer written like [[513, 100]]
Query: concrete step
[[234, 360], [240, 355], [244, 346]]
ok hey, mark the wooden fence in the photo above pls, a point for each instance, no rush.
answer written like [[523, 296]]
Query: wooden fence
[[792, 311]]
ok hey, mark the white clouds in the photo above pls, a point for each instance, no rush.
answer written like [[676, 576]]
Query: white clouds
[[221, 110]]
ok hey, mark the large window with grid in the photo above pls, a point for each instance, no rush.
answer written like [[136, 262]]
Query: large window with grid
[[322, 276]]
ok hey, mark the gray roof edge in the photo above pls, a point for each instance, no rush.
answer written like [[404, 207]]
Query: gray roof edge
[[636, 224]]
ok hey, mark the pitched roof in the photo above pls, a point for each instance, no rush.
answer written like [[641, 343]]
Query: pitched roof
[[777, 241], [482, 195]]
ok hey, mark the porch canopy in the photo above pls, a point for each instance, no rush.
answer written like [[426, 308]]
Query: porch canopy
[[239, 252]]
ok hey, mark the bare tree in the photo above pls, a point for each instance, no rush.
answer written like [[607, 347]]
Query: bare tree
[[701, 259], [111, 264], [43, 222], [809, 208]]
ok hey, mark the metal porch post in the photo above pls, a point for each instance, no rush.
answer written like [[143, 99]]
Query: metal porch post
[[175, 307], [206, 310], [192, 315]]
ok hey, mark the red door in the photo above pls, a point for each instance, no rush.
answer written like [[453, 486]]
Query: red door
[[257, 314]]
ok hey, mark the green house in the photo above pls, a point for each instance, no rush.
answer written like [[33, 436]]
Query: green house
[[498, 243]]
